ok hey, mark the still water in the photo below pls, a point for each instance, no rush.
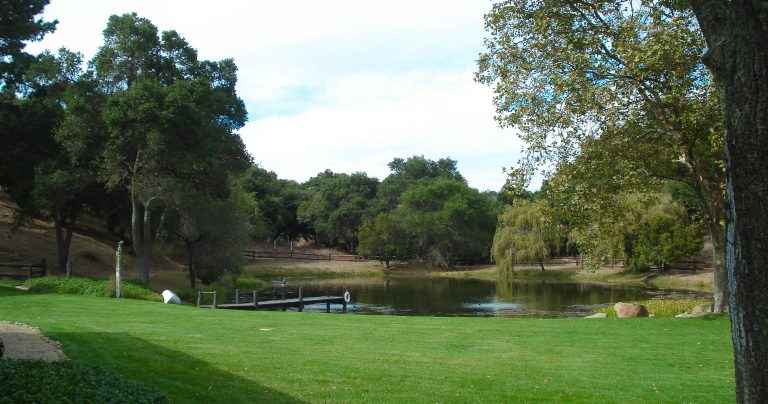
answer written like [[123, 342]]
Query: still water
[[429, 296]]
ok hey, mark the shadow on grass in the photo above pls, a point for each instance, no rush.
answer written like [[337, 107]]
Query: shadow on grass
[[7, 288], [182, 377]]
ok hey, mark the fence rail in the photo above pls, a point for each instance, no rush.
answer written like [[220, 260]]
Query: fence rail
[[18, 270], [253, 255]]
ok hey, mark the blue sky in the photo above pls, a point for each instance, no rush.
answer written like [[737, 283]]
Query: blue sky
[[336, 84]]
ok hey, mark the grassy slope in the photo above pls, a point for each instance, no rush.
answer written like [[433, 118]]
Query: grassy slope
[[239, 356]]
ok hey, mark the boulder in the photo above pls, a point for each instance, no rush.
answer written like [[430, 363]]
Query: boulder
[[702, 310], [170, 297], [698, 311], [597, 315], [630, 310]]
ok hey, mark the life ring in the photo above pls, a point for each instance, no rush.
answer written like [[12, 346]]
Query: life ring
[[346, 296]]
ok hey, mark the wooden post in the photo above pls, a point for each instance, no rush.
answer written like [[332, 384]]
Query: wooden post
[[237, 296], [199, 296], [215, 299], [301, 300], [44, 267], [255, 300], [283, 297], [118, 269], [328, 303]]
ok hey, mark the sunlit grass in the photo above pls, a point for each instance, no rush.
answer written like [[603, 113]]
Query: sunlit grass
[[204, 355]]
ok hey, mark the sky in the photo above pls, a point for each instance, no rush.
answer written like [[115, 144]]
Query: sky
[[345, 85]]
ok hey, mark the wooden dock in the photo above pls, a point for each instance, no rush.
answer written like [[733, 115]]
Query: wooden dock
[[251, 301]]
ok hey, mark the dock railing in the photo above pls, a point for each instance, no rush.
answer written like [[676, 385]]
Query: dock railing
[[271, 298]]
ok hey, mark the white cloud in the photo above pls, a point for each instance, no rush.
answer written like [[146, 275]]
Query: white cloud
[[344, 84], [452, 119]]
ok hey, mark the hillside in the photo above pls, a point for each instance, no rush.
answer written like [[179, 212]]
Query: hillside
[[92, 250]]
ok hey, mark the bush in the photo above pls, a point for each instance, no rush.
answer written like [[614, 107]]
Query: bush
[[664, 307], [91, 287], [27, 381]]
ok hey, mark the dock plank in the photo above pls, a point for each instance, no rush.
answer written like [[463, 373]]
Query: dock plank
[[293, 302]]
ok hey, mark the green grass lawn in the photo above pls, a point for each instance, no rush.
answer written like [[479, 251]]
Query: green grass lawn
[[203, 355]]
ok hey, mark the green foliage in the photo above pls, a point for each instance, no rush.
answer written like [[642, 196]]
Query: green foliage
[[561, 69], [27, 381], [90, 287], [336, 207], [277, 202], [614, 95], [664, 236], [383, 237], [163, 120], [19, 26], [525, 233], [406, 172], [446, 221], [208, 231]]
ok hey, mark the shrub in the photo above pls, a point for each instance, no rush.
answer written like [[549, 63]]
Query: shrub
[[91, 287], [27, 381]]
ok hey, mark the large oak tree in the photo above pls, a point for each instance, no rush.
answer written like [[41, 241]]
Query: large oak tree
[[736, 33], [565, 71], [737, 37], [168, 118]]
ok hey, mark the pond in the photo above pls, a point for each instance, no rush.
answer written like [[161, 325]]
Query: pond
[[431, 296]]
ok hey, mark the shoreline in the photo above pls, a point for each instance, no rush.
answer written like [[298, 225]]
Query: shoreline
[[698, 281]]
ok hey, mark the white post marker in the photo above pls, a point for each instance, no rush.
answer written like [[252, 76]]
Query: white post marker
[[118, 267]]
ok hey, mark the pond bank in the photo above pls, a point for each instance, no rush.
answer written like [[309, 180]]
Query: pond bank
[[699, 281]]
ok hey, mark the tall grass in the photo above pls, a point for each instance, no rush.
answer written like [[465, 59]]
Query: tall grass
[[91, 287], [664, 307]]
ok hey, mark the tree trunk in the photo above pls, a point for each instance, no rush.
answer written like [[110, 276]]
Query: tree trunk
[[737, 35], [64, 230], [720, 284], [191, 263], [541, 263], [708, 188], [140, 246]]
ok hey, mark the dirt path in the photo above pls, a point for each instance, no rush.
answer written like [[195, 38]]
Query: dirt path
[[24, 342]]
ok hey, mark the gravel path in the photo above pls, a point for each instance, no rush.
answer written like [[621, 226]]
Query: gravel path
[[24, 342]]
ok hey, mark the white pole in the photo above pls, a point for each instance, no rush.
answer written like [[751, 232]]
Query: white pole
[[118, 267]]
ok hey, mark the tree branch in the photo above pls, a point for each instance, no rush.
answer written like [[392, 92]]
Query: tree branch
[[714, 18]]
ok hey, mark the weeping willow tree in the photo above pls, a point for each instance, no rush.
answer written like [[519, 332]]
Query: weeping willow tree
[[525, 233]]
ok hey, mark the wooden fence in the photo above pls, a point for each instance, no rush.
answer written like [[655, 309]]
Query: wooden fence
[[17, 270], [294, 255]]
